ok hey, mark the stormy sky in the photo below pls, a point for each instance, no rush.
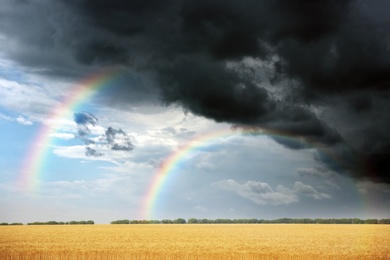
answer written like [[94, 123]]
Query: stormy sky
[[315, 71]]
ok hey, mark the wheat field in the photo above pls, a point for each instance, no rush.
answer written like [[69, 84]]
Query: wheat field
[[196, 241]]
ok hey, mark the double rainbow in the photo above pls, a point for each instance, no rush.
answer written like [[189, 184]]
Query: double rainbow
[[38, 152]]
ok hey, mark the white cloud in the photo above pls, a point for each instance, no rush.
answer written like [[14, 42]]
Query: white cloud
[[20, 119], [23, 121], [64, 136], [79, 152], [76, 151], [4, 117], [29, 100]]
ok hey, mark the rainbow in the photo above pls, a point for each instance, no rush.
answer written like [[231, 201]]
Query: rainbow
[[38, 151], [172, 163]]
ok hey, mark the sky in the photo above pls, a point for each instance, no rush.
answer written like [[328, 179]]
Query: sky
[[194, 109]]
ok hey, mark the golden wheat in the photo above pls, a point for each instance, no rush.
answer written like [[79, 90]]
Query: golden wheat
[[197, 241]]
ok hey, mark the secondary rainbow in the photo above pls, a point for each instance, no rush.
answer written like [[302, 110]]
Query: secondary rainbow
[[38, 151], [173, 161]]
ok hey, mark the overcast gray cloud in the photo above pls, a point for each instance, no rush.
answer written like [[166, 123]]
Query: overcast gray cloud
[[318, 54], [309, 191], [261, 193]]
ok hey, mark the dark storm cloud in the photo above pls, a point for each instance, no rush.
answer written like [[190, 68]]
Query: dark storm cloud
[[129, 90], [317, 53], [210, 90]]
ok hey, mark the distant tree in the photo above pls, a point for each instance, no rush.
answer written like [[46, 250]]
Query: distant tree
[[166, 221], [192, 221], [357, 221], [306, 221], [82, 222], [372, 221], [223, 221], [323, 221], [179, 221], [16, 224], [4, 224], [252, 220], [342, 221], [122, 221]]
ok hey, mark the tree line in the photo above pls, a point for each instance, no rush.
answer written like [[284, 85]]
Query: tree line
[[164, 221], [82, 222], [220, 221], [257, 221]]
